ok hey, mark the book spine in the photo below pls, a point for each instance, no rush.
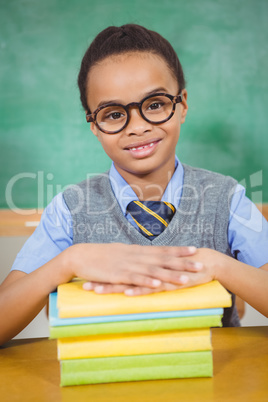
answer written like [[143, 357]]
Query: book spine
[[135, 326], [137, 344], [73, 301], [136, 368]]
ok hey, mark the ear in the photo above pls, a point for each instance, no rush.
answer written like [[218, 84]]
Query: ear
[[93, 127], [184, 105], [94, 130]]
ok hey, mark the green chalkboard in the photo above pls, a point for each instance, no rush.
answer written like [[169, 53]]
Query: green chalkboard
[[45, 142]]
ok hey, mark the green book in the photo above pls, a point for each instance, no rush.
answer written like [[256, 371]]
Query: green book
[[163, 324], [136, 368]]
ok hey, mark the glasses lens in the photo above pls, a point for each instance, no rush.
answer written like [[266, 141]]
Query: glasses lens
[[111, 118], [157, 108]]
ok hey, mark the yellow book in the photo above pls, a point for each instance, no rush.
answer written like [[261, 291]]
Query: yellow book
[[134, 344], [74, 301]]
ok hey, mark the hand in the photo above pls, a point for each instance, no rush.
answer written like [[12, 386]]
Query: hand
[[198, 275], [213, 262], [106, 288], [122, 264]]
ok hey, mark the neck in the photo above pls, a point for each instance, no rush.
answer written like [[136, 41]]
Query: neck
[[150, 186]]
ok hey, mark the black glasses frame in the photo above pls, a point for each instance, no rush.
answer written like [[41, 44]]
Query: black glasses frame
[[91, 118]]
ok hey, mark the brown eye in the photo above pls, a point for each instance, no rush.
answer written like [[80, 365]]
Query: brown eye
[[114, 116], [155, 106]]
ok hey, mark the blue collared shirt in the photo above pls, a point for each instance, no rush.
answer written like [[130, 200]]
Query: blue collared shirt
[[125, 194], [247, 230]]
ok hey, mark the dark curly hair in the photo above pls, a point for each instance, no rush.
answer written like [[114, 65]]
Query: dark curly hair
[[127, 38]]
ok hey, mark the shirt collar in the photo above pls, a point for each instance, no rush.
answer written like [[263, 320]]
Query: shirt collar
[[124, 193]]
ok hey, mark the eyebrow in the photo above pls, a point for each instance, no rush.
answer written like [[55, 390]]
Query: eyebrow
[[153, 91]]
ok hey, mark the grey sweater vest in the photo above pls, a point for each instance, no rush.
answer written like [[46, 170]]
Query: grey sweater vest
[[201, 219]]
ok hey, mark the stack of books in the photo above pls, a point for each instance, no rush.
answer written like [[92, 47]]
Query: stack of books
[[114, 338]]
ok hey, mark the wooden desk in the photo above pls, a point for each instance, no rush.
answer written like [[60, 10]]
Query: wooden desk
[[29, 371]]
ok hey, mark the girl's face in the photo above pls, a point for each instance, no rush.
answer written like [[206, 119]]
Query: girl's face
[[140, 148]]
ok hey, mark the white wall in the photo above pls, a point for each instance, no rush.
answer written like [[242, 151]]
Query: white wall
[[10, 246]]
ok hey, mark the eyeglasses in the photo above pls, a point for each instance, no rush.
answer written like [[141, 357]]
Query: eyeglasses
[[114, 117]]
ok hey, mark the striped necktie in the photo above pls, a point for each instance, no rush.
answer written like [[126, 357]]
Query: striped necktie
[[152, 217]]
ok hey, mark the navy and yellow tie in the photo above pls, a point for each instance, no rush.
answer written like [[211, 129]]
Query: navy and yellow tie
[[152, 217]]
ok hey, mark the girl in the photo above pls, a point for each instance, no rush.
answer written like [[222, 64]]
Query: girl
[[133, 91]]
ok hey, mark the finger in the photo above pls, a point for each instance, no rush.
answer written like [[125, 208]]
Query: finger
[[134, 278], [92, 285], [170, 286], [145, 264], [87, 286], [182, 264], [176, 276], [107, 289], [141, 291], [141, 251], [104, 288], [149, 270], [176, 263], [181, 251], [198, 278], [151, 277]]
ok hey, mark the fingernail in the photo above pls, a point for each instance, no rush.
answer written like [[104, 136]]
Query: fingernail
[[156, 282], [184, 279], [129, 292], [87, 286], [192, 249], [198, 265], [99, 289]]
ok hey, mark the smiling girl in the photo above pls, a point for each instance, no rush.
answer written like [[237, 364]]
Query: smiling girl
[[133, 91]]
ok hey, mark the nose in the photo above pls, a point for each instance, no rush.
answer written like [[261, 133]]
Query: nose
[[137, 125]]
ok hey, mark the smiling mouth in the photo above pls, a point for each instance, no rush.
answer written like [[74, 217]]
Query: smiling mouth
[[141, 147]]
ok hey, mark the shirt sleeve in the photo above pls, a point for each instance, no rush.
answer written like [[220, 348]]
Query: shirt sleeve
[[248, 230], [53, 235]]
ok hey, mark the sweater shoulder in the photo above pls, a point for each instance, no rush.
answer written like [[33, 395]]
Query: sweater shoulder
[[203, 175], [92, 188]]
